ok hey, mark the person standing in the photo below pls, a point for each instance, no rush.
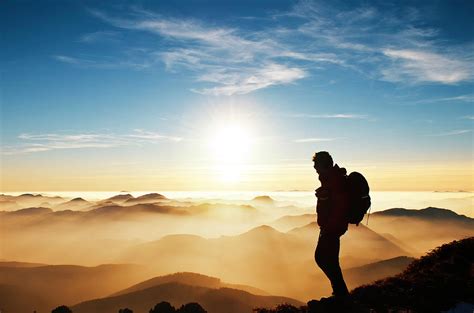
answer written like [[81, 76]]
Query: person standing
[[332, 210]]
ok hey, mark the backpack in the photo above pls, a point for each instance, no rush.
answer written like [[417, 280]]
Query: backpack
[[359, 197]]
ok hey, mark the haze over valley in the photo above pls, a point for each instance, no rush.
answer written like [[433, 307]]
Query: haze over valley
[[256, 244]]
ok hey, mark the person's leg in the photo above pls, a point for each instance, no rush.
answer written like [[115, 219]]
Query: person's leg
[[327, 258], [337, 280], [321, 253]]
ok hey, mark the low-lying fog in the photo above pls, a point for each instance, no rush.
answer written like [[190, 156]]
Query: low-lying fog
[[265, 240], [461, 202]]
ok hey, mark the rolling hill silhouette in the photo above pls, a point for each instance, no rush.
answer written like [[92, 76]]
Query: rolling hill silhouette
[[433, 283], [212, 299], [436, 282], [147, 198], [266, 200], [19, 264], [75, 204], [422, 230], [51, 285], [415, 231], [128, 210], [248, 258], [117, 210], [17, 298], [28, 200], [9, 205], [187, 278], [368, 244], [28, 212], [429, 213], [120, 198], [29, 234], [261, 257], [39, 216], [364, 274], [279, 260], [288, 222]]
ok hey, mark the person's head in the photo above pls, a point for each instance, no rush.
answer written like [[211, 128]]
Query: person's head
[[322, 162]]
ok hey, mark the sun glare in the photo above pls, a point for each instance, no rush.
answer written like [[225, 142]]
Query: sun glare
[[230, 146], [231, 143]]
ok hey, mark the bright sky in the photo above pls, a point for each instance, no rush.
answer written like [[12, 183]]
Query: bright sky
[[235, 95]]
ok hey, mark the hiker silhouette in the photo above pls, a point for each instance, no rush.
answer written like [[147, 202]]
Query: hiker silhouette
[[332, 210]]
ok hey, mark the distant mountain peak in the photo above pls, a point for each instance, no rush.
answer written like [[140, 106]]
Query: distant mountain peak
[[146, 197], [187, 278], [429, 212], [264, 199], [32, 210], [215, 298], [262, 229], [180, 237], [152, 195], [30, 195], [78, 199], [310, 226], [121, 197]]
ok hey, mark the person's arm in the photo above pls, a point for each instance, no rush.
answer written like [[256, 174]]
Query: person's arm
[[340, 204], [322, 206]]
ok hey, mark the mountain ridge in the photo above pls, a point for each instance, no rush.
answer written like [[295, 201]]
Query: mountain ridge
[[213, 300]]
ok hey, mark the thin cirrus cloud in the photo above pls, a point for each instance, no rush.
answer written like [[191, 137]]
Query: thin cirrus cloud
[[330, 116], [461, 98], [271, 74], [227, 60], [137, 63], [386, 46], [51, 141], [99, 36], [220, 56], [422, 66], [452, 133], [314, 139]]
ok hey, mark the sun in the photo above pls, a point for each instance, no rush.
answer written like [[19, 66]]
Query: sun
[[230, 145]]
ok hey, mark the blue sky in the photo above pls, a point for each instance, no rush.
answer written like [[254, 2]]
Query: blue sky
[[126, 90]]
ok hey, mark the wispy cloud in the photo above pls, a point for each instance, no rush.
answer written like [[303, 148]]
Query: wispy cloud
[[420, 66], [226, 60], [100, 36], [245, 82], [53, 141], [314, 139], [468, 117], [391, 45], [452, 133], [137, 63], [231, 61], [329, 116], [71, 60], [461, 98], [151, 136]]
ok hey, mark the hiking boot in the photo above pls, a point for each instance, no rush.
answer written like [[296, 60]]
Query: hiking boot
[[337, 303], [345, 302], [313, 306], [328, 300]]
